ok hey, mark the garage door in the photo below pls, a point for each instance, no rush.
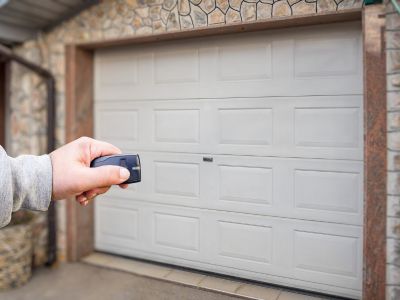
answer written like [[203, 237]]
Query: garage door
[[252, 154]]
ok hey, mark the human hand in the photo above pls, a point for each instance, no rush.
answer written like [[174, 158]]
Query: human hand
[[72, 175]]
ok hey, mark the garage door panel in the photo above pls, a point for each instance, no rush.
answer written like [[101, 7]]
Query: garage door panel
[[323, 252], [246, 184], [176, 66], [330, 188], [327, 190], [248, 126], [176, 231], [127, 121], [117, 225], [121, 71], [176, 178], [326, 56], [327, 127], [248, 65], [328, 253], [177, 125], [336, 254], [163, 126], [257, 65], [234, 240], [296, 188], [312, 127], [332, 251], [312, 249], [324, 190]]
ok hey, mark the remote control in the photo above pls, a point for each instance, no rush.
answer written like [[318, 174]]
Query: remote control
[[129, 161]]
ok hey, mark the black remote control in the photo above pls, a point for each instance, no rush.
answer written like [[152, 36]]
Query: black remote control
[[129, 161]]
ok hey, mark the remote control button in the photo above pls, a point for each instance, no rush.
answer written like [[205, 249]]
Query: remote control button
[[122, 163]]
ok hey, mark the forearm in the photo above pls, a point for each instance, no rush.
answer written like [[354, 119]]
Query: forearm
[[26, 182]]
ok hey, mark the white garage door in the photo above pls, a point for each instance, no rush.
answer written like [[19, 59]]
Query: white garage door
[[252, 154]]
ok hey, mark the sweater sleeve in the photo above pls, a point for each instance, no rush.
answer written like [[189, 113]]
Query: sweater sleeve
[[25, 182]]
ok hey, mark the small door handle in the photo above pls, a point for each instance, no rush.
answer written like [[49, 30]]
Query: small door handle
[[208, 159]]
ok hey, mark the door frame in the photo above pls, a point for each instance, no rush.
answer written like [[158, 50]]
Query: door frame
[[80, 122]]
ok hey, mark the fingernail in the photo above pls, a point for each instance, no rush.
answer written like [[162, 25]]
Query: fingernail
[[86, 203], [124, 173]]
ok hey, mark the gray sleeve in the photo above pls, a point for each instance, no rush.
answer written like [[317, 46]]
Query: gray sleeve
[[25, 182]]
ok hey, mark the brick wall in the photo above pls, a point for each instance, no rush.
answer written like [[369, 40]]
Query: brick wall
[[393, 140]]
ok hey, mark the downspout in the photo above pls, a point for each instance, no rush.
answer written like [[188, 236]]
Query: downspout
[[51, 99], [396, 6]]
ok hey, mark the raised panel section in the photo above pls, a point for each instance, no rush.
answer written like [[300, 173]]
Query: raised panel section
[[175, 231], [245, 241], [328, 56], [323, 190], [245, 126], [118, 222], [181, 179], [118, 71], [177, 125], [245, 184], [326, 253], [245, 61], [176, 66], [327, 127], [118, 125]]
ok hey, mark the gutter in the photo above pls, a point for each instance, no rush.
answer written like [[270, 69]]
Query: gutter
[[51, 99]]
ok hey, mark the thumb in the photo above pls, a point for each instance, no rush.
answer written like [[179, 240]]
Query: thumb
[[105, 176]]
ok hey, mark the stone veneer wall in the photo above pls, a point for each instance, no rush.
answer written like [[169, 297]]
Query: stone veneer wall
[[117, 19], [393, 154], [27, 135]]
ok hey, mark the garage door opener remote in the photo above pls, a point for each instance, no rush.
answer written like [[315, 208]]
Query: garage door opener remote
[[129, 161]]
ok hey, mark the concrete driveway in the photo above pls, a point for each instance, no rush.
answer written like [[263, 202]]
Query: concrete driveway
[[82, 281]]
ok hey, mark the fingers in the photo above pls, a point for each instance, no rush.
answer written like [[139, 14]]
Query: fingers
[[92, 178], [86, 197], [82, 199], [100, 148], [97, 191]]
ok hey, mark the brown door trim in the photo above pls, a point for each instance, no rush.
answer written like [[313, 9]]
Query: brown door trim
[[79, 122], [374, 275]]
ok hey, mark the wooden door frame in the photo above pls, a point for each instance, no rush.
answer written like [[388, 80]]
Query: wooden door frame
[[79, 122]]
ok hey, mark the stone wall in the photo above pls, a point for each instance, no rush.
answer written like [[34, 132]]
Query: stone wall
[[393, 141], [124, 18], [27, 131], [15, 256]]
